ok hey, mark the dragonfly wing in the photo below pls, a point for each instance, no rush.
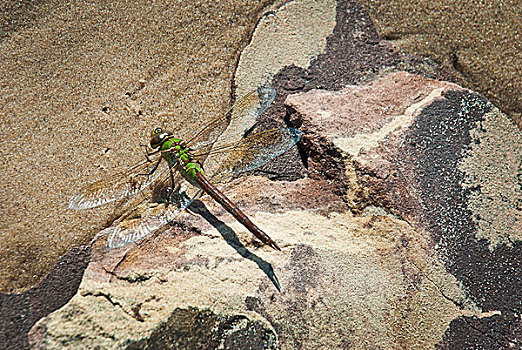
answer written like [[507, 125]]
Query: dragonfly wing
[[254, 151], [116, 186], [250, 106], [152, 219]]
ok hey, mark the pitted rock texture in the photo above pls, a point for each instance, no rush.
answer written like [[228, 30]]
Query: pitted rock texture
[[446, 161]]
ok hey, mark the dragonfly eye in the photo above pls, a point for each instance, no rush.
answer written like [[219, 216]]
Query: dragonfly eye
[[156, 131]]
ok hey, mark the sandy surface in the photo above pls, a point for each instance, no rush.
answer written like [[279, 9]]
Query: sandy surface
[[479, 41], [82, 84]]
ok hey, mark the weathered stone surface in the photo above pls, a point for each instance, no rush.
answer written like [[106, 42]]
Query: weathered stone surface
[[436, 165], [19, 312], [293, 34], [342, 282], [368, 123], [373, 276]]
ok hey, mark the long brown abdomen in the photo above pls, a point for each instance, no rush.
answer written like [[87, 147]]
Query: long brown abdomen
[[219, 197]]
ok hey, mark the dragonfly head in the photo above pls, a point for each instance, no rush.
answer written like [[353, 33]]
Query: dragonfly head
[[158, 136]]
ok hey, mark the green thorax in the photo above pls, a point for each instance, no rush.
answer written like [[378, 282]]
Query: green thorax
[[177, 155]]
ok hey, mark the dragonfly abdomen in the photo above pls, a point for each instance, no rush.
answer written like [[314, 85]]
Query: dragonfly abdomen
[[226, 203]]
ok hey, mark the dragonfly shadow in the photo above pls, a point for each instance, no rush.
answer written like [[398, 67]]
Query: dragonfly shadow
[[231, 238]]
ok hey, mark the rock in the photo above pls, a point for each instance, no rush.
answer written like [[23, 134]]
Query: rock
[[429, 152], [20, 311], [372, 242]]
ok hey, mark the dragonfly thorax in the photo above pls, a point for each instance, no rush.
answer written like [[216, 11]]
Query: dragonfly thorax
[[172, 149], [178, 155]]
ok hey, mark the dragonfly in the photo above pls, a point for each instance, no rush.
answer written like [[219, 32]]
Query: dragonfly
[[177, 163]]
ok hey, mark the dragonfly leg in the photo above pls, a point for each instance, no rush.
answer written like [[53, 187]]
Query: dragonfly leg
[[153, 169], [147, 153], [171, 190]]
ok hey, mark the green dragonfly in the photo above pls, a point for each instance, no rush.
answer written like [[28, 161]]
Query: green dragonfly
[[182, 171]]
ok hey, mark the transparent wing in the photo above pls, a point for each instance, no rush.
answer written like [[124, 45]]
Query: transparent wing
[[247, 154], [251, 106], [147, 218], [254, 151], [116, 186]]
